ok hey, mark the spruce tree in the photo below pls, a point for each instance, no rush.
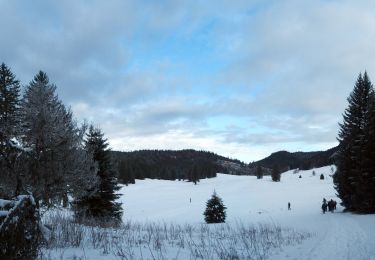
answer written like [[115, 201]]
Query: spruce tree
[[276, 175], [353, 173], [215, 210], [9, 132], [100, 203], [259, 172], [367, 204], [53, 143]]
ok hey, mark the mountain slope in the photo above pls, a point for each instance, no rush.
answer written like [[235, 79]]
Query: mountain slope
[[302, 160], [188, 165]]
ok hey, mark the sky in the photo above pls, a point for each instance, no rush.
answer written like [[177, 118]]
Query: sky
[[242, 79]]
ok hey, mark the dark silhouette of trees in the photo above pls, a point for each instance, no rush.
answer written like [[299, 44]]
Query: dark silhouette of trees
[[276, 174], [259, 172], [189, 165], [10, 183]]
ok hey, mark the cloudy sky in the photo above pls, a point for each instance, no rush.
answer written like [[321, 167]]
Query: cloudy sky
[[239, 78]]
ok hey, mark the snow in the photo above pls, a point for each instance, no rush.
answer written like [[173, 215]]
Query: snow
[[337, 235], [246, 197], [4, 203], [3, 213], [250, 201]]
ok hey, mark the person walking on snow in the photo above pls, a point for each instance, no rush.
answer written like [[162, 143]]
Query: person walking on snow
[[324, 207], [289, 206]]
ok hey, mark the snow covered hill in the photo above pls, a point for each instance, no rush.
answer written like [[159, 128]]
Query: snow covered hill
[[335, 236]]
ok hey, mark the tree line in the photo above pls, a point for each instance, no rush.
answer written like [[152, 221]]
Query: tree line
[[189, 165], [285, 160], [46, 153]]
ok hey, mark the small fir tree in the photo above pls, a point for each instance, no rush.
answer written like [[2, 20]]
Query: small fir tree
[[215, 210], [100, 203]]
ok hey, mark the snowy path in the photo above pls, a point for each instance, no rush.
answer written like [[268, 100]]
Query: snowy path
[[339, 236], [343, 239]]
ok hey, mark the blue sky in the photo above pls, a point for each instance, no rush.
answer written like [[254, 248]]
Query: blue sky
[[239, 78]]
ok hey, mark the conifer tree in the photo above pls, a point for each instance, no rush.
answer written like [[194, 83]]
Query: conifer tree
[[215, 210], [9, 132], [100, 203], [259, 172], [53, 142], [276, 175], [368, 190], [353, 173]]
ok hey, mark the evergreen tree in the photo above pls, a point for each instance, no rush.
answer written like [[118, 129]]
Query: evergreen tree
[[368, 204], [353, 173], [215, 210], [53, 142], [9, 132], [100, 203], [193, 174], [276, 175], [259, 172]]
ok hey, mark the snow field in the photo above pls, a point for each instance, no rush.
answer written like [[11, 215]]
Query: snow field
[[161, 222]]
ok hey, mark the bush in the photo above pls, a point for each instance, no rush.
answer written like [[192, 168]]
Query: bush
[[20, 235]]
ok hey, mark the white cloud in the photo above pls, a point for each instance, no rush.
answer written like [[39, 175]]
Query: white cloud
[[283, 69]]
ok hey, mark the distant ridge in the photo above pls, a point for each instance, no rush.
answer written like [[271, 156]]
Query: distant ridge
[[192, 165], [188, 164], [302, 160]]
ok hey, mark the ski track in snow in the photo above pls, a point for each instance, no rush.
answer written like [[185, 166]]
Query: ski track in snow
[[342, 239]]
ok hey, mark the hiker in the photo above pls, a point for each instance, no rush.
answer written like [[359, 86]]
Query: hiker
[[324, 207], [288, 205], [330, 206], [334, 204]]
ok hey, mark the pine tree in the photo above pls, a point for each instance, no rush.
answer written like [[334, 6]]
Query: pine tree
[[276, 175], [215, 210], [53, 141], [100, 203], [259, 172], [351, 176], [367, 205], [9, 132]]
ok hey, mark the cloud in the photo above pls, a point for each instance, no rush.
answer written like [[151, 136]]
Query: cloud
[[241, 78]]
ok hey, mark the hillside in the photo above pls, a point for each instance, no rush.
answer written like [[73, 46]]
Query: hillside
[[302, 160], [188, 165], [195, 165]]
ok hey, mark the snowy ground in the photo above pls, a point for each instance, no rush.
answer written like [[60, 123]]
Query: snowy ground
[[251, 201], [336, 236]]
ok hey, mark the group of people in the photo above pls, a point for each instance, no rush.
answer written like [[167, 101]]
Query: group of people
[[330, 205]]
